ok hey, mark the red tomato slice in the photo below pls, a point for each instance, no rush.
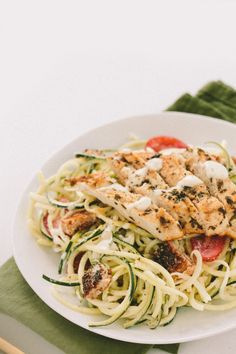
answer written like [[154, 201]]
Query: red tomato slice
[[209, 247], [55, 223], [164, 142], [45, 223]]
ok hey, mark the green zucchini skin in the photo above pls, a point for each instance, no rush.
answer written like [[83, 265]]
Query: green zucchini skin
[[63, 205], [90, 157], [59, 282], [64, 257], [126, 244], [146, 310]]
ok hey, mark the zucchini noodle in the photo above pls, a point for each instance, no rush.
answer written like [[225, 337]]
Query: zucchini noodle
[[140, 289]]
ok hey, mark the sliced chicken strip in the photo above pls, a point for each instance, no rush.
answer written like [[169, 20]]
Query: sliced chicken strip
[[219, 184], [95, 280], [94, 180], [173, 169], [211, 210], [131, 159], [120, 169], [136, 208], [173, 258], [178, 204], [80, 220], [135, 158]]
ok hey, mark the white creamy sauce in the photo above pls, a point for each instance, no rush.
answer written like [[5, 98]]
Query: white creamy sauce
[[129, 237], [172, 151], [126, 170], [141, 172], [135, 178], [189, 181], [157, 192], [105, 239], [142, 204], [154, 164], [215, 169]]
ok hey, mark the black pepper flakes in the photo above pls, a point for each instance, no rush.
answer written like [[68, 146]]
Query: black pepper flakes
[[229, 200], [222, 211], [168, 258], [164, 221]]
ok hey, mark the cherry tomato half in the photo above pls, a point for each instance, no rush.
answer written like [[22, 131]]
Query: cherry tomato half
[[209, 247], [164, 142], [55, 222]]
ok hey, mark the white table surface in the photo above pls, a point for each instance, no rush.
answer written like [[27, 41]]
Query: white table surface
[[68, 66]]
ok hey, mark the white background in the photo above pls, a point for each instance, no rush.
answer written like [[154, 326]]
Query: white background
[[68, 66]]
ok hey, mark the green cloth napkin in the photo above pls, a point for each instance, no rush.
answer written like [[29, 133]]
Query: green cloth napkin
[[216, 99], [19, 301]]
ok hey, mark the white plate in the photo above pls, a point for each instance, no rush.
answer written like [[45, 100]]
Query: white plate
[[33, 260]]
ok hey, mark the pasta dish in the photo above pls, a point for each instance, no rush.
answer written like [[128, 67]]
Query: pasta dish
[[142, 230]]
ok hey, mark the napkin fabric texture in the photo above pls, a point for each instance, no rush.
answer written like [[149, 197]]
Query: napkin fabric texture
[[216, 99], [19, 301]]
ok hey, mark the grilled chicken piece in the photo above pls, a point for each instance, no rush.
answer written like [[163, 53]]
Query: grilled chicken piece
[[135, 158], [80, 220], [121, 169], [172, 258], [211, 210], [94, 180], [177, 203], [221, 188], [173, 169], [95, 280], [137, 209]]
